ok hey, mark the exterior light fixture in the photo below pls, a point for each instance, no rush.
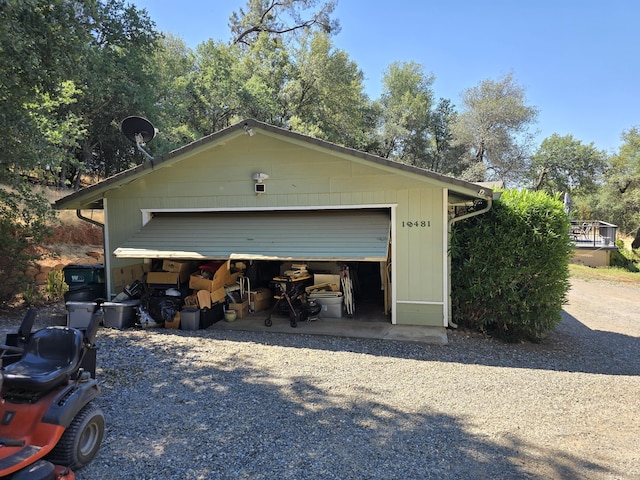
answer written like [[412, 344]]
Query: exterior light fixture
[[260, 186]]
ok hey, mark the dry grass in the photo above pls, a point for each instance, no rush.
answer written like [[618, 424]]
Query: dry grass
[[69, 217], [69, 229], [611, 274], [76, 234], [73, 240]]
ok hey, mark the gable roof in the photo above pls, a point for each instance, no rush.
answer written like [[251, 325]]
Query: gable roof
[[91, 197]]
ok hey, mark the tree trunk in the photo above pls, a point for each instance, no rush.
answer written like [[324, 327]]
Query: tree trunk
[[538, 185], [636, 241]]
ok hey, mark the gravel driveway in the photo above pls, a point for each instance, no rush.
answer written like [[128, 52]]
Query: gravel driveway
[[220, 404]]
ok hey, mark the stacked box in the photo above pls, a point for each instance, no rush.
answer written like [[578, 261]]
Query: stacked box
[[163, 280], [242, 309], [184, 268], [123, 276], [261, 299]]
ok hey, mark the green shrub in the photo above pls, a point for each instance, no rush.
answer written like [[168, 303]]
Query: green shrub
[[33, 295], [54, 290], [510, 272], [625, 259], [23, 223], [56, 286]]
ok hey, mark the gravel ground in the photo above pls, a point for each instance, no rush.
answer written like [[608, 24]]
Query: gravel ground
[[224, 404]]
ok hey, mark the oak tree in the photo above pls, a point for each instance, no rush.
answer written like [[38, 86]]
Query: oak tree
[[494, 128], [278, 18]]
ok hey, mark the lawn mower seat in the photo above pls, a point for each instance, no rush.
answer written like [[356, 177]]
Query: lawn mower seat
[[51, 357]]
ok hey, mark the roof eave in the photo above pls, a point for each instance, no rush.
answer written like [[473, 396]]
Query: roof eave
[[91, 196]]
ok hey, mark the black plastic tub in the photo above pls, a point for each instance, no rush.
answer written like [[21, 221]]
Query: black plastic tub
[[80, 294], [209, 316]]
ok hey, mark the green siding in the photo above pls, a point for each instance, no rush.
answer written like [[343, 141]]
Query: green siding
[[416, 314], [419, 248], [219, 177]]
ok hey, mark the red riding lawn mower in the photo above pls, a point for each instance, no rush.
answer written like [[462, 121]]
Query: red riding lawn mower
[[48, 425]]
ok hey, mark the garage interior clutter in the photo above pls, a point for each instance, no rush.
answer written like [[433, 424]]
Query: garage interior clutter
[[192, 295]]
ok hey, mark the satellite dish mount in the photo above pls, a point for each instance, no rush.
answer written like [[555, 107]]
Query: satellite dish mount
[[140, 131]]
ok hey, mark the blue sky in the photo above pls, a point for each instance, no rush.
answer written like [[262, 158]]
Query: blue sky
[[578, 60]]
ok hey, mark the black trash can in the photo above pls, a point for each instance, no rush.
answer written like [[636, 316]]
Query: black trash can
[[81, 278]]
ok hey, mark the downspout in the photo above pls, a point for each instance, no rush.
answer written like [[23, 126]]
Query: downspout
[[450, 224], [90, 220], [93, 222]]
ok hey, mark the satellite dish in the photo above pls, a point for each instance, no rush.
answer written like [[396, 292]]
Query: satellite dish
[[138, 129]]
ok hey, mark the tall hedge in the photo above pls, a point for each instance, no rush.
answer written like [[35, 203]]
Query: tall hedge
[[510, 272]]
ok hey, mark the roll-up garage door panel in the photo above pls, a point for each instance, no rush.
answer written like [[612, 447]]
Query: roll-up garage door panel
[[355, 235]]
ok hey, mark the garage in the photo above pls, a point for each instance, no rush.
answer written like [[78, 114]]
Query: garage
[[329, 242], [276, 198]]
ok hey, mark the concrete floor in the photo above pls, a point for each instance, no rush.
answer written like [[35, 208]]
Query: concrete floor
[[362, 325]]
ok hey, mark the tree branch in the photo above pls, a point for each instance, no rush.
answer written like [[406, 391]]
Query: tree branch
[[262, 28]]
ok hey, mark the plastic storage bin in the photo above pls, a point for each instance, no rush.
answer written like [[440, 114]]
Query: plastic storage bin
[[120, 314], [209, 316], [79, 313], [331, 307], [190, 319], [90, 276]]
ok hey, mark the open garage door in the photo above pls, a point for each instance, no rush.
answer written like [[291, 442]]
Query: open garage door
[[312, 235]]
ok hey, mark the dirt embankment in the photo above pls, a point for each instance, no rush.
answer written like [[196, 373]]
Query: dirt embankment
[[57, 257], [73, 242]]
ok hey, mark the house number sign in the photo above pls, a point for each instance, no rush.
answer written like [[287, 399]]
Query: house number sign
[[416, 224]]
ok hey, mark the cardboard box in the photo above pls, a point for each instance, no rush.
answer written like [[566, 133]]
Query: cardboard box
[[220, 279], [320, 278], [163, 280], [184, 268], [233, 278], [174, 323], [242, 309], [261, 299], [218, 296], [123, 276]]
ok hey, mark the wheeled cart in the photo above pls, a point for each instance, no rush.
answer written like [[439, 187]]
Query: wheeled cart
[[289, 289]]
